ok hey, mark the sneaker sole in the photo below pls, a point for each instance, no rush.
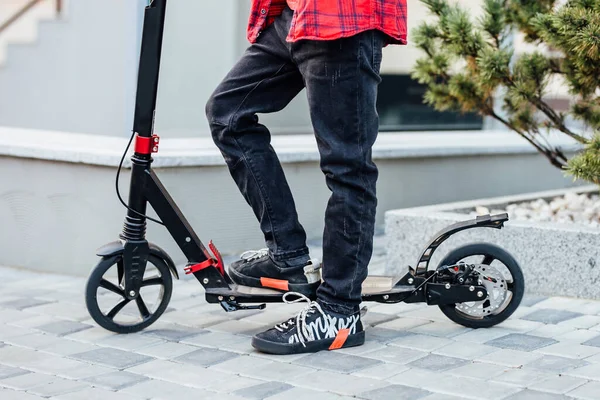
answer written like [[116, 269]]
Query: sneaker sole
[[307, 289], [314, 346]]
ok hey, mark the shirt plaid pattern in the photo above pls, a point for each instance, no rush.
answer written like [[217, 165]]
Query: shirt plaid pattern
[[332, 19]]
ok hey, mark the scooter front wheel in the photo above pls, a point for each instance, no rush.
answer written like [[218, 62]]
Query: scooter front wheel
[[105, 291], [498, 271]]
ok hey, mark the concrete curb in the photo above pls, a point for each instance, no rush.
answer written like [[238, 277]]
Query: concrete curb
[[557, 259]]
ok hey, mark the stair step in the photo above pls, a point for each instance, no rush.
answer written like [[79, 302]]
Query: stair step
[[24, 30]]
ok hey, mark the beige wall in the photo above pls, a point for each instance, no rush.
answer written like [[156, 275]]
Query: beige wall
[[401, 59]]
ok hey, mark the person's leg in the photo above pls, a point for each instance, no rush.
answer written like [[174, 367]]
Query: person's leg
[[264, 80], [341, 79]]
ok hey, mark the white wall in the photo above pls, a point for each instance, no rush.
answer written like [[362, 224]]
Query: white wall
[[199, 48], [81, 74], [77, 76]]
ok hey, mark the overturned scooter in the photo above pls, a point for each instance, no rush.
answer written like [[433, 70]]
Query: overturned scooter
[[477, 285]]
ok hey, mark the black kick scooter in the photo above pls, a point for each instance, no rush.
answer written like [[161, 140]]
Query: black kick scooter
[[478, 285]]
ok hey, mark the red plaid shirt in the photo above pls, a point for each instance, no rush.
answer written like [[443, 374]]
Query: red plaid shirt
[[333, 19]]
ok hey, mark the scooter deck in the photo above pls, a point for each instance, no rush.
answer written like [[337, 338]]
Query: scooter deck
[[373, 285]]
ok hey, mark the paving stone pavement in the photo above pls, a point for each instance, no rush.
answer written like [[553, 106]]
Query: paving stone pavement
[[50, 348]]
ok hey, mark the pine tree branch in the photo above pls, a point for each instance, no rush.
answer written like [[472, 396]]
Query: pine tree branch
[[553, 155], [548, 111], [555, 118]]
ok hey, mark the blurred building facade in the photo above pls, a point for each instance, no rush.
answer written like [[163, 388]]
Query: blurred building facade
[[76, 72]]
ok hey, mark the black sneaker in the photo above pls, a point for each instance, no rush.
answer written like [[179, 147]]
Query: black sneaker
[[257, 269], [312, 330]]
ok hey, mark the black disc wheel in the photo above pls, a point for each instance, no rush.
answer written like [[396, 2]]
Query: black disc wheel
[[492, 267], [105, 295]]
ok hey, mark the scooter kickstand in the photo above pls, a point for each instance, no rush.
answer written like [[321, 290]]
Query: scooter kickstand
[[231, 306]]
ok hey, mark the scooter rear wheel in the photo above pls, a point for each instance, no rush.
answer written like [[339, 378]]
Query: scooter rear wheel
[[500, 273], [127, 316]]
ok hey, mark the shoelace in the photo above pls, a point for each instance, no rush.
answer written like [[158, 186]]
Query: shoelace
[[299, 320], [254, 254]]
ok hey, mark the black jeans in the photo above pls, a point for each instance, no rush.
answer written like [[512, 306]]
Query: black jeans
[[341, 79]]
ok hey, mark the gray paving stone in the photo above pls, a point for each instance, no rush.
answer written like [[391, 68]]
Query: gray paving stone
[[348, 385], [463, 387], [384, 335], [381, 371], [112, 358], [67, 368], [441, 329], [213, 339], [167, 350], [393, 354], [231, 385], [518, 341], [535, 395], [479, 370], [20, 356], [441, 396], [274, 371], [522, 377], [116, 380], [569, 350], [23, 303], [465, 350], [531, 300], [402, 323], [591, 372], [56, 387], [93, 393], [130, 342], [560, 384], [27, 381], [157, 389], [7, 372], [521, 325], [593, 342], [583, 322], [206, 357], [421, 342], [62, 328], [435, 362], [337, 362], [552, 331], [172, 335], [588, 391], [372, 318], [307, 394], [555, 364], [396, 392], [180, 374], [577, 336], [263, 390], [10, 394], [482, 335], [551, 316], [509, 358]]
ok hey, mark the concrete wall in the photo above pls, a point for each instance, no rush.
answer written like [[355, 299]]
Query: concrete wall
[[78, 76]]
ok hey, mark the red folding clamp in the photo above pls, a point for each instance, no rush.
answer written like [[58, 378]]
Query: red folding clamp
[[216, 262], [146, 145]]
